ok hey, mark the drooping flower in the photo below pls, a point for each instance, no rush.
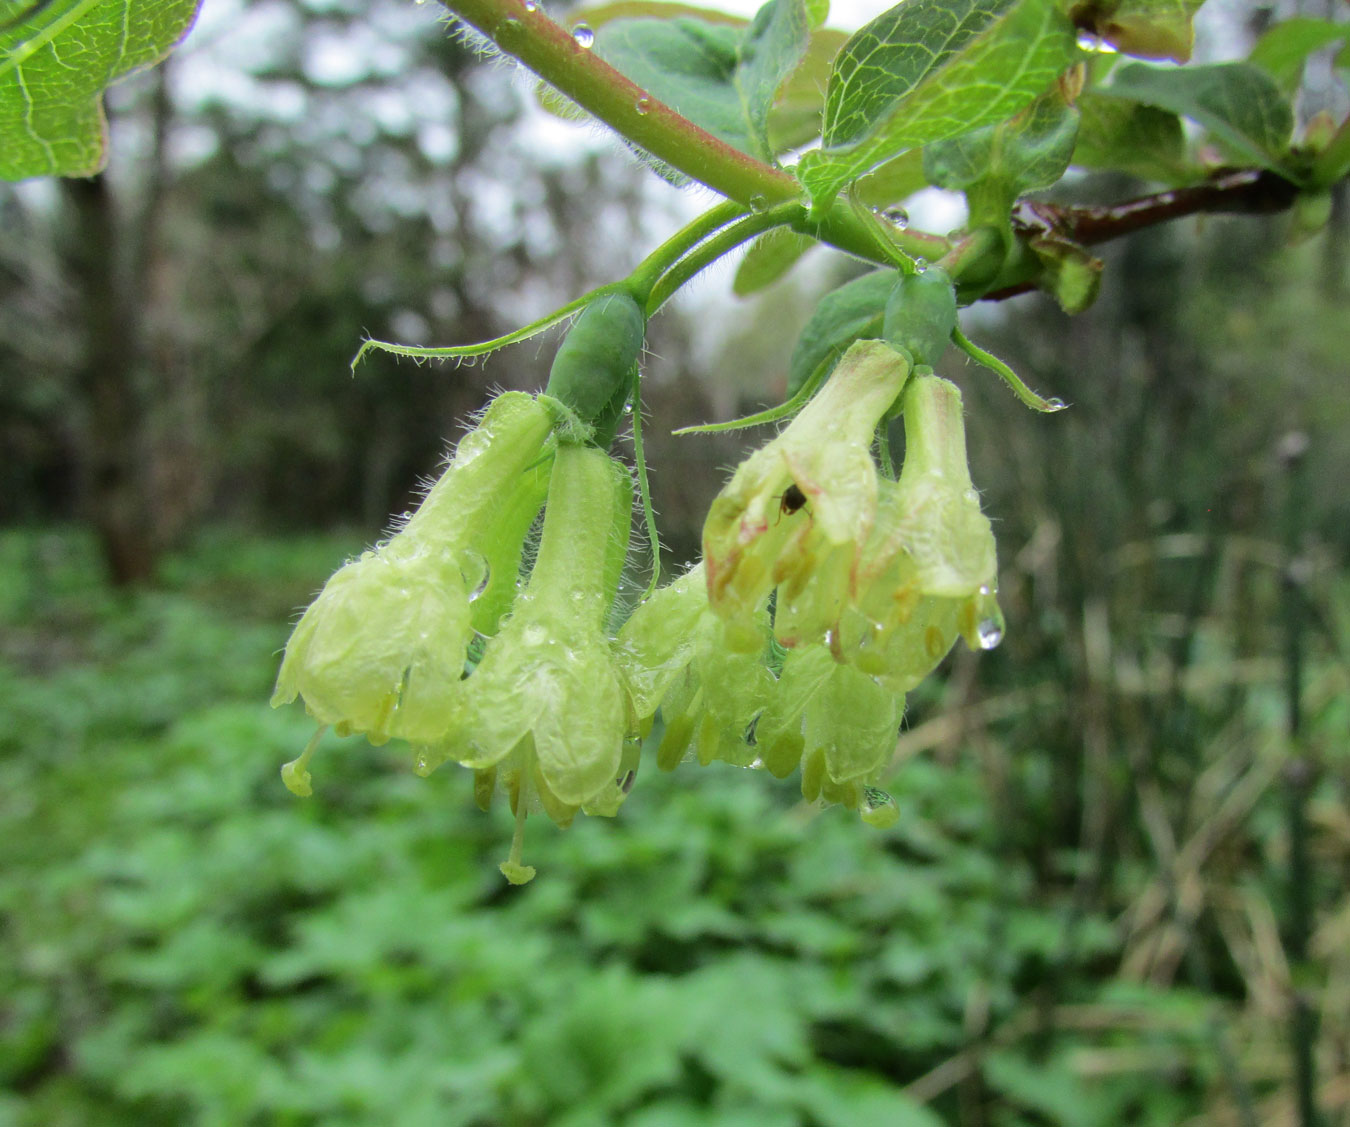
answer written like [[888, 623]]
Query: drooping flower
[[928, 572], [381, 651], [796, 512], [546, 696], [675, 655], [835, 720]]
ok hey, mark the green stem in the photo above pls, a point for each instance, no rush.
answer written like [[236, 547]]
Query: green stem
[[520, 28], [884, 458], [523, 31], [482, 348], [644, 489], [859, 234], [1012, 379], [641, 281], [725, 241], [772, 414]]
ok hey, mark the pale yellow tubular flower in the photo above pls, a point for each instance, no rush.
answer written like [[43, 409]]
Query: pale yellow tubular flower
[[796, 512], [381, 650]]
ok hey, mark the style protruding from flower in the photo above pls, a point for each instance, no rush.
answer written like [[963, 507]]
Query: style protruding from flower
[[545, 707]]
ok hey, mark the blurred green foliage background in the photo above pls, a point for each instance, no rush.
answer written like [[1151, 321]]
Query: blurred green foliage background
[[1089, 912]]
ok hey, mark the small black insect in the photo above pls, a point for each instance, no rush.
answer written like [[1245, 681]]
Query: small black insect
[[793, 499]]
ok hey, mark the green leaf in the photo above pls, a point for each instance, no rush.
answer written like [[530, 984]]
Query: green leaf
[[1150, 29], [817, 11], [1051, 1089], [844, 315], [931, 69], [770, 51], [722, 77], [796, 114], [689, 64], [838, 1097], [770, 257], [894, 181], [54, 66], [1333, 162], [1070, 272], [1129, 137], [596, 17], [1238, 103], [996, 164], [1282, 51]]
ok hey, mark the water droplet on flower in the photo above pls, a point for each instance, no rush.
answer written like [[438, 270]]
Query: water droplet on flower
[[470, 446], [583, 36], [423, 765], [989, 633], [1094, 44], [896, 217], [1055, 404], [643, 106], [878, 808], [758, 203], [473, 566]]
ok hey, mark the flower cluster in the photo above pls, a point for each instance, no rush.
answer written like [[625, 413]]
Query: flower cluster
[[827, 591]]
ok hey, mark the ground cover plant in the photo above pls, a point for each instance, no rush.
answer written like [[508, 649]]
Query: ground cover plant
[[183, 945]]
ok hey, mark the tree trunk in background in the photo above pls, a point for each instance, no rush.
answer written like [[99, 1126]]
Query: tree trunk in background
[[112, 490]]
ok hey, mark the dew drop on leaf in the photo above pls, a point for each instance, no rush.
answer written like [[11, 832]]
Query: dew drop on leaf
[[1055, 404], [583, 36], [758, 203], [643, 106]]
